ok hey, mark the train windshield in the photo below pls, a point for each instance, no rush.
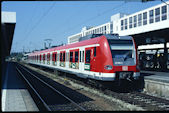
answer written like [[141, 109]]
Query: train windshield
[[122, 52]]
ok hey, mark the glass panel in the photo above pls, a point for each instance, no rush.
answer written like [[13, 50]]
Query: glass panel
[[135, 21], [151, 15], [76, 56], [130, 22], [87, 56], [139, 19], [157, 15], [145, 18], [71, 56], [122, 24], [126, 23], [164, 12]]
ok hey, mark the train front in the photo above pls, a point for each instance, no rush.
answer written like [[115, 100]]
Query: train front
[[121, 59]]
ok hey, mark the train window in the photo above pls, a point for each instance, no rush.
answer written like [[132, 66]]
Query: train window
[[55, 57], [60, 56], [94, 51], [71, 56], [83, 57], [40, 57], [80, 56], [76, 56], [67, 56], [48, 55], [87, 56], [43, 56], [64, 57]]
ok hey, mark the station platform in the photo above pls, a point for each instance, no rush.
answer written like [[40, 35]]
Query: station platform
[[14, 95], [156, 76], [156, 83]]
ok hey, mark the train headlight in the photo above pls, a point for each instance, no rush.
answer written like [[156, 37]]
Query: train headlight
[[108, 67]]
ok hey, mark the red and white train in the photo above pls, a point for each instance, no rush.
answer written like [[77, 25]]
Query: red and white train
[[105, 58]]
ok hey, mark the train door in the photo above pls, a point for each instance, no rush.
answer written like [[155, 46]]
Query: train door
[[74, 59], [93, 59], [81, 59], [90, 59]]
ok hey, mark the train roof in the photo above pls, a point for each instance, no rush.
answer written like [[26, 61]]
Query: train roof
[[86, 41]]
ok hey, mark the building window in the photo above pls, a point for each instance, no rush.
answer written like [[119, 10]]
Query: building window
[[145, 18], [164, 12], [126, 23], [151, 15], [139, 19], [135, 21], [122, 24], [87, 56], [111, 27], [130, 22], [157, 14]]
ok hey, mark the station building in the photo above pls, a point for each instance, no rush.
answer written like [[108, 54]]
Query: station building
[[149, 28]]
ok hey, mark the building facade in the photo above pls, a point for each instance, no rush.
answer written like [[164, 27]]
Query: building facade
[[125, 24]]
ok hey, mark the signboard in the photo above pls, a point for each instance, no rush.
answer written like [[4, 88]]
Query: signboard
[[87, 67]]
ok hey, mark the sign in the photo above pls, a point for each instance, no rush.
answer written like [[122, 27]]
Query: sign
[[125, 68], [87, 67]]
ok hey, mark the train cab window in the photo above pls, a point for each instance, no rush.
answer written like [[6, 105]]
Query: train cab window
[[76, 56], [94, 51], [64, 57], [87, 56], [71, 56]]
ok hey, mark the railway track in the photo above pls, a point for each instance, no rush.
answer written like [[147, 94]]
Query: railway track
[[140, 99], [51, 98]]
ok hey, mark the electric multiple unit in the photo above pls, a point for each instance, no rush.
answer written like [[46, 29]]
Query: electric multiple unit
[[104, 57]]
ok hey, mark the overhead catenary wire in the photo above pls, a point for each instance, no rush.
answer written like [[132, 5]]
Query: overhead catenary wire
[[39, 21], [92, 18]]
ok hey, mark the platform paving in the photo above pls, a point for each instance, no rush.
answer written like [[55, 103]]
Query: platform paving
[[156, 76], [156, 83], [15, 96]]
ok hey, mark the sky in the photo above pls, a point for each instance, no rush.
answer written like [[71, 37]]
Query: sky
[[56, 20]]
